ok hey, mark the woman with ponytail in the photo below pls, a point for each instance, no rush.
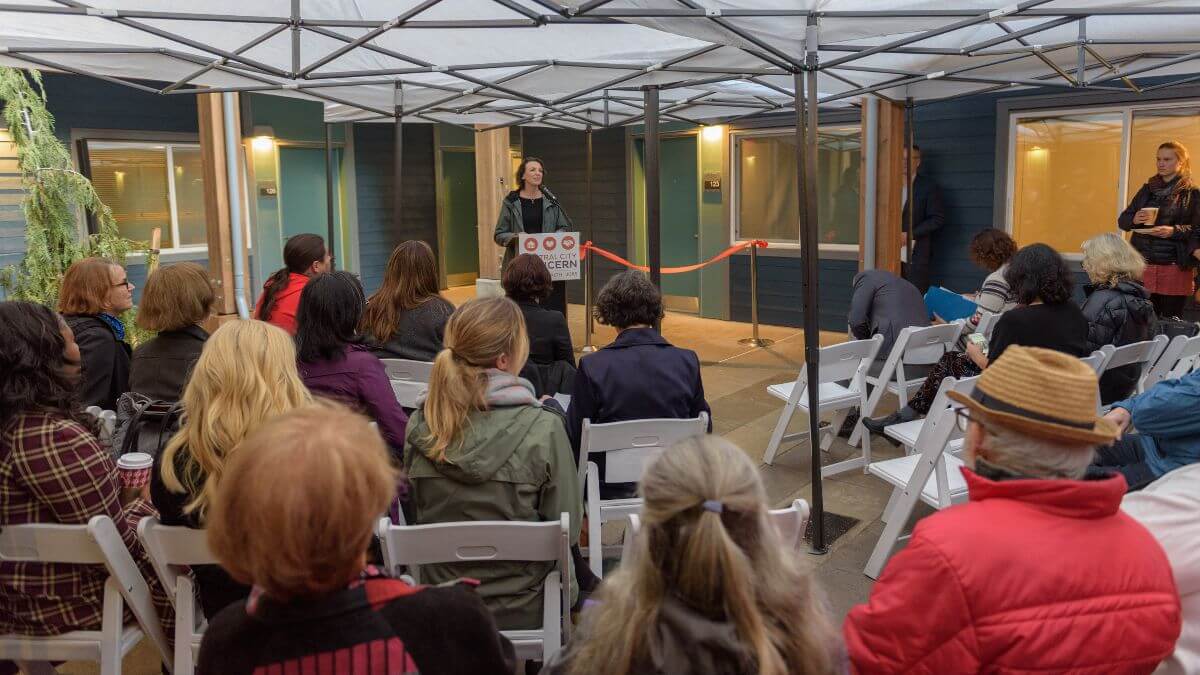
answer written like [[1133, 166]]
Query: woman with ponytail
[[482, 447], [304, 257], [710, 588]]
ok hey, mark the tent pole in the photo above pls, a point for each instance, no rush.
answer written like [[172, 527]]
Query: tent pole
[[653, 198], [908, 182], [398, 161], [330, 244], [806, 174], [590, 279]]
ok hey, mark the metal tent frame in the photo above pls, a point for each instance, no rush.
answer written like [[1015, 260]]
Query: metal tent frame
[[723, 60]]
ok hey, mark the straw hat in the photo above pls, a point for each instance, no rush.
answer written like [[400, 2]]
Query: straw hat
[[1042, 393]]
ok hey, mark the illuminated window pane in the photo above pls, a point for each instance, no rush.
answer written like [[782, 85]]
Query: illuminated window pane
[[1066, 179], [1152, 128], [132, 180], [189, 196]]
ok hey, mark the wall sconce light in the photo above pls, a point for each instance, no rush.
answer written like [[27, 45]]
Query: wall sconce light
[[713, 133], [264, 137]]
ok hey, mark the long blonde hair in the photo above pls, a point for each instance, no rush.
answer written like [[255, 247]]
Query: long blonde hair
[[478, 333], [1109, 259], [245, 376], [730, 564]]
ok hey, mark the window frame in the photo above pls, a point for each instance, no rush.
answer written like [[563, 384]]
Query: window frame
[[837, 250], [1125, 109]]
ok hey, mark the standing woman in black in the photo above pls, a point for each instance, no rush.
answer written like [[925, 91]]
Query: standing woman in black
[[531, 209], [1168, 208]]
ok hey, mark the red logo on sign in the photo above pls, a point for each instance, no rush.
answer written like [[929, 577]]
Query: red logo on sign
[[549, 243], [531, 244], [568, 243]]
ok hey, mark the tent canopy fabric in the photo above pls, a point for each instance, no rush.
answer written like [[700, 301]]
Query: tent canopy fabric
[[576, 63]]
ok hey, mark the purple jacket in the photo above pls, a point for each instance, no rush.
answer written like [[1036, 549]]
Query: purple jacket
[[360, 381]]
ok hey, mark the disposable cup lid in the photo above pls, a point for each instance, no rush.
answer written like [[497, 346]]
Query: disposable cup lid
[[135, 460]]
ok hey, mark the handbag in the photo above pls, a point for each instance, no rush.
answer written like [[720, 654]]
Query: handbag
[[144, 424]]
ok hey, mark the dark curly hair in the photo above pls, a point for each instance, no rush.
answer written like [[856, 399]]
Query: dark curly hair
[[1038, 272], [629, 299], [32, 360], [526, 279], [991, 248]]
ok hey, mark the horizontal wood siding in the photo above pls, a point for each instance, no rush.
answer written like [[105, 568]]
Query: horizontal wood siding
[[779, 289]]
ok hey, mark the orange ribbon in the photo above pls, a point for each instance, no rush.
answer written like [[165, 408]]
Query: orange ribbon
[[589, 246]]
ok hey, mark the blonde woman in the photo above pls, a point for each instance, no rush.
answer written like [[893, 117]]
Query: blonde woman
[[1165, 215], [245, 376], [711, 588], [1118, 308], [483, 447]]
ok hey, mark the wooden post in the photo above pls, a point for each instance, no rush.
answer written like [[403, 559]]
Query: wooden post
[[492, 181], [889, 198], [216, 202]]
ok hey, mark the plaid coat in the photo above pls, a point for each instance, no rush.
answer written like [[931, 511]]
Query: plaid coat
[[52, 470]]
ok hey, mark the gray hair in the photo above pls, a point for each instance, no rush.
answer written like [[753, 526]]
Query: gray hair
[[1036, 457]]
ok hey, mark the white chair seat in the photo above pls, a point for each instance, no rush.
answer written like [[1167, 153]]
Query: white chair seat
[[899, 471], [526, 643], [906, 434], [78, 645], [831, 394]]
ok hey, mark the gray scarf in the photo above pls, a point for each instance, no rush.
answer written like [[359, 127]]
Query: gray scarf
[[506, 390]]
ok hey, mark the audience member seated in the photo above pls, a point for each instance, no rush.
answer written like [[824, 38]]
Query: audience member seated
[[1040, 571], [406, 318], [1046, 317], [94, 293], [245, 376], [483, 448], [300, 536], [991, 249], [304, 257], [551, 365], [335, 363], [1168, 432], [1117, 308], [52, 470], [177, 299], [885, 304], [1168, 508], [710, 588], [639, 375]]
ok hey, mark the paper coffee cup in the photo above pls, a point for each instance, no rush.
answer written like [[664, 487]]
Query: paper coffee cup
[[1152, 213], [134, 468]]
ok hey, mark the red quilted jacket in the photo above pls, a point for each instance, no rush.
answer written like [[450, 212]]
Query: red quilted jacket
[[1045, 576]]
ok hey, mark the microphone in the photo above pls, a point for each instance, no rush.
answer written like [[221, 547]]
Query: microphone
[[546, 191], [554, 200]]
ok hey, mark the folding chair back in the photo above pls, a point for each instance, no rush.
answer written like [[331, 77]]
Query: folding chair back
[[987, 323], [629, 446], [1143, 354], [791, 523], [171, 551], [410, 379], [96, 543], [494, 541], [1178, 359], [1098, 360]]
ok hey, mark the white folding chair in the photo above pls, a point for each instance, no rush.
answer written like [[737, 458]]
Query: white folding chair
[[495, 541], [790, 521], [410, 379], [628, 448], [1142, 354], [1098, 359], [108, 422], [1178, 359], [96, 543], [845, 362], [171, 551], [922, 343], [931, 474], [987, 323]]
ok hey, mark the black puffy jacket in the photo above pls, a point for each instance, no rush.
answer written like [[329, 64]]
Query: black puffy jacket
[[1118, 315], [1173, 250]]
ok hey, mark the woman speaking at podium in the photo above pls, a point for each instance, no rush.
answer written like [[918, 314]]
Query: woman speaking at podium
[[532, 209]]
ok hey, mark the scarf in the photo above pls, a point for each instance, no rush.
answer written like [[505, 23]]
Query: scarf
[[505, 390], [1168, 197], [114, 323]]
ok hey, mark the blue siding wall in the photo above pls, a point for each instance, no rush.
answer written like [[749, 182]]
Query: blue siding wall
[[373, 157], [779, 287]]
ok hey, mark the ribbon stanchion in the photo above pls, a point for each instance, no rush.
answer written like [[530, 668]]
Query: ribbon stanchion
[[753, 245]]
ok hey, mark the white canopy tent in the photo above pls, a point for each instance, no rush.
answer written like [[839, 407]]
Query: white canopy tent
[[583, 64]]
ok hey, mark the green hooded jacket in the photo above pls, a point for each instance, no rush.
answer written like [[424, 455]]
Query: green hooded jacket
[[510, 224], [514, 463]]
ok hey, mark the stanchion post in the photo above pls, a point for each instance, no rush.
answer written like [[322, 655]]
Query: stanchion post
[[588, 347], [754, 340]]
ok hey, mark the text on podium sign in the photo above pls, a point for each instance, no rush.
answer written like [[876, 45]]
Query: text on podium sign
[[559, 250]]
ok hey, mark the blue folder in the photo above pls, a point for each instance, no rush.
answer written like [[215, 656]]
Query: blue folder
[[948, 304]]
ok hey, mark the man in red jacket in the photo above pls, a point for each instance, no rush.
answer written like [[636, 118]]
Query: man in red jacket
[[1040, 571]]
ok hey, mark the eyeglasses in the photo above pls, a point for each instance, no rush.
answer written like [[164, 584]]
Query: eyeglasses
[[124, 282], [963, 418]]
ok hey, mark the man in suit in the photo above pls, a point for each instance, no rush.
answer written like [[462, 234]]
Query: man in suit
[[929, 214]]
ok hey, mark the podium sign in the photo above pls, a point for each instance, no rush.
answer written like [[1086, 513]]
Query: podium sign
[[559, 250]]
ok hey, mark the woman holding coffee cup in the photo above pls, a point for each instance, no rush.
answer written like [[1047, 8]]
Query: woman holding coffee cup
[[1164, 217]]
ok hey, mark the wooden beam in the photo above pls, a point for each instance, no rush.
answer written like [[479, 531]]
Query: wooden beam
[[889, 187], [492, 182]]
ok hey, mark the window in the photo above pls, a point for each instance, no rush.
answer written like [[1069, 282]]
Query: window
[[152, 185], [1071, 173], [766, 202]]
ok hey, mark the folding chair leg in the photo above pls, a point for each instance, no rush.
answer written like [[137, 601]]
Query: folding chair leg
[[887, 510], [185, 611], [785, 417], [901, 511], [866, 448], [595, 545], [111, 629], [835, 425]]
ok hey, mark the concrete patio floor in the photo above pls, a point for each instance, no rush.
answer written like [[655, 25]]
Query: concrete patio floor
[[735, 382]]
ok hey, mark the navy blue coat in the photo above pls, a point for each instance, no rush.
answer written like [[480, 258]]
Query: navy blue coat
[[639, 376]]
